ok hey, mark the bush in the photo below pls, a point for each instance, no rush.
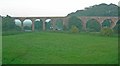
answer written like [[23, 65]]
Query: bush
[[27, 28], [74, 29], [117, 29], [18, 28], [106, 31]]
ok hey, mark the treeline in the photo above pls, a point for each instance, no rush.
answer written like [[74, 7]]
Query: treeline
[[8, 24], [98, 10]]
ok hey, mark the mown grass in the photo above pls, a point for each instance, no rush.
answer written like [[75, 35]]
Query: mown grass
[[0, 50], [59, 48]]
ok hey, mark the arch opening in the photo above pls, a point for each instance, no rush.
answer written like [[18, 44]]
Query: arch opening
[[59, 24], [117, 27], [74, 21], [27, 25], [106, 23], [18, 23], [93, 25], [48, 24], [38, 24]]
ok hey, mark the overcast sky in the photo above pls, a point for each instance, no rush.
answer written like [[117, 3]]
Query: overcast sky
[[46, 7]]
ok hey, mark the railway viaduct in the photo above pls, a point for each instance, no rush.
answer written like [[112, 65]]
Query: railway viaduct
[[84, 19]]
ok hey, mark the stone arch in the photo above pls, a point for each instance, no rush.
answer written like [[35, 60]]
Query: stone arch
[[117, 27], [27, 24], [38, 24], [75, 21], [59, 24], [93, 25], [107, 23], [18, 24], [48, 24], [118, 22], [65, 23], [114, 21]]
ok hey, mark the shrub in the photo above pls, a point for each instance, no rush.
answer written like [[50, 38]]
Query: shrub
[[106, 31], [27, 28], [18, 28], [74, 29], [117, 29]]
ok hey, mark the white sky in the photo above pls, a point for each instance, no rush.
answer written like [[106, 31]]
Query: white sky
[[46, 7]]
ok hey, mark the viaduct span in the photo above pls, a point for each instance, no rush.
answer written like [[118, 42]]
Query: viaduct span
[[84, 19]]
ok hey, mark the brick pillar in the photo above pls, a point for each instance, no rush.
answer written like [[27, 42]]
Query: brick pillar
[[22, 20], [43, 20], [53, 24], [84, 21], [65, 23], [113, 23], [100, 25], [22, 27], [64, 26], [33, 26], [100, 21], [84, 25]]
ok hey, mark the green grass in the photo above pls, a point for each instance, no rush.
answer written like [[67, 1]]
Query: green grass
[[0, 50], [59, 48]]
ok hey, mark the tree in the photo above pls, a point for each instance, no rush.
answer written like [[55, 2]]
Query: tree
[[59, 25], [106, 23], [93, 26], [106, 31], [48, 25], [8, 23], [117, 27], [76, 22], [74, 29], [18, 28], [98, 10], [27, 27], [38, 25]]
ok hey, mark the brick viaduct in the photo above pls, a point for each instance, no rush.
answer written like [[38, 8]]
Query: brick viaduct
[[84, 19]]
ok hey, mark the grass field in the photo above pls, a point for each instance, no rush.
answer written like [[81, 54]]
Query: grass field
[[0, 50], [59, 48]]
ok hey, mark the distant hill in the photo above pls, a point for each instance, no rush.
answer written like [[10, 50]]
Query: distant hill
[[98, 10]]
